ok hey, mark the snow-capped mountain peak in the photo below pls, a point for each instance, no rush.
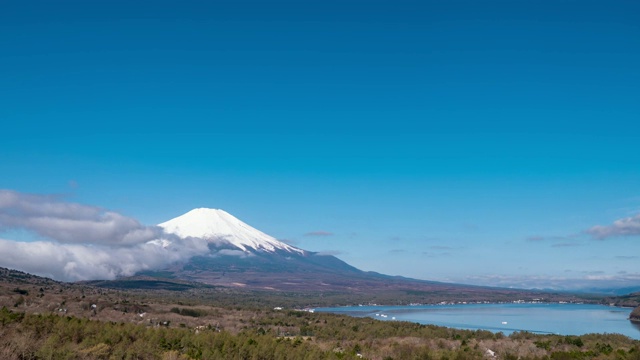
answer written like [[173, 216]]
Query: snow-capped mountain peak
[[215, 225]]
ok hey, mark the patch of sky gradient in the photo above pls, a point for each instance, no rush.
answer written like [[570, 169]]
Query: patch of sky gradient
[[429, 138]]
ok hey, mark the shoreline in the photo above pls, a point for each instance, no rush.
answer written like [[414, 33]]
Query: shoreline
[[516, 302], [429, 314]]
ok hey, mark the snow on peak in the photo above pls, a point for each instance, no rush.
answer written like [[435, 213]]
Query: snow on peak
[[217, 225]]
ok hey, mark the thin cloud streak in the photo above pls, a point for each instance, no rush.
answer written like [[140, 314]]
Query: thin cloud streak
[[330, 253], [319, 233]]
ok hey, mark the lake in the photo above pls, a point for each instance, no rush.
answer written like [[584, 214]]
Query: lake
[[564, 319]]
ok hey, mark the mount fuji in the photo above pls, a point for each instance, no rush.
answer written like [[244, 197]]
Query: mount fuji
[[219, 227], [241, 256]]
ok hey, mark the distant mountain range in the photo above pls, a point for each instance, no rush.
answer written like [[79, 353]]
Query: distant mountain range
[[611, 291]]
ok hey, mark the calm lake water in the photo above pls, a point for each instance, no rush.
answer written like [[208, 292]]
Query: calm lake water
[[564, 319]]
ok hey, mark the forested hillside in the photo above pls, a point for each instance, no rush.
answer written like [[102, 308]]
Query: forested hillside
[[635, 315], [286, 335], [44, 319]]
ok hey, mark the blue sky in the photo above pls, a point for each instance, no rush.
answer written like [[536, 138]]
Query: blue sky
[[468, 141]]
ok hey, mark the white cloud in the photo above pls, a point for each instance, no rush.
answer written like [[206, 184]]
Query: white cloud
[[237, 253], [86, 242], [73, 262], [70, 223], [628, 226]]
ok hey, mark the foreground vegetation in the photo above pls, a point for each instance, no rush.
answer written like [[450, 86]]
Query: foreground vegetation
[[45, 319], [286, 335]]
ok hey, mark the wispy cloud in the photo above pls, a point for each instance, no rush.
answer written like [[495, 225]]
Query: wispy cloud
[[330, 252], [623, 257], [84, 242], [319, 233], [628, 226]]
